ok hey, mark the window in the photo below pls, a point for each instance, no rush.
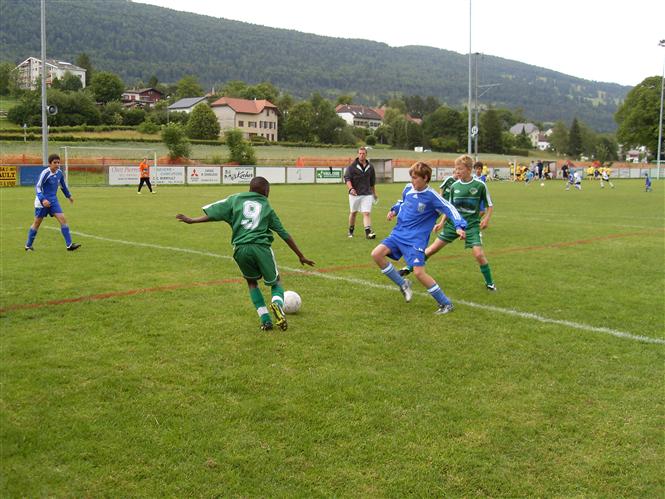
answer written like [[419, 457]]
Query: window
[[251, 124], [241, 123]]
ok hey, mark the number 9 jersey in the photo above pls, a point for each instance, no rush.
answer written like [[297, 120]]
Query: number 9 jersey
[[250, 216]]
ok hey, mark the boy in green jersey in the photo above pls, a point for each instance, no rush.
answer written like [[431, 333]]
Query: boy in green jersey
[[471, 198], [252, 221]]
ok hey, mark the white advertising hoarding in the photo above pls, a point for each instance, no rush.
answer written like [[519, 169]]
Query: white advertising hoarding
[[168, 175], [401, 175], [273, 174], [204, 175], [300, 175], [123, 175], [237, 174]]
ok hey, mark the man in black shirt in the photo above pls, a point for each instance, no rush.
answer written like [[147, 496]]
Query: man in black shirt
[[360, 179]]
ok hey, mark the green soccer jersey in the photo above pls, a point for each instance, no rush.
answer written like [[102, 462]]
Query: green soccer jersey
[[445, 187], [250, 216], [470, 198]]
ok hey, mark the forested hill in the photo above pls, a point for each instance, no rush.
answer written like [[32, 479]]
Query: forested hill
[[137, 41]]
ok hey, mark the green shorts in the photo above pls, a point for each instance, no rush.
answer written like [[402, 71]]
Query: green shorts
[[257, 261], [473, 235]]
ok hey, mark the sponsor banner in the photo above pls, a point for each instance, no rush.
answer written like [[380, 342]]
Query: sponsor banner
[[401, 175], [7, 176], [273, 174], [28, 175], [204, 175], [300, 175], [237, 174], [167, 175], [329, 175], [123, 175]]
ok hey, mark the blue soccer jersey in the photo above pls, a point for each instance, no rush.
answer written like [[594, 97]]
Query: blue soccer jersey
[[417, 213], [47, 187]]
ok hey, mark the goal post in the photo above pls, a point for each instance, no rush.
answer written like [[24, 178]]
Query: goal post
[[100, 157]]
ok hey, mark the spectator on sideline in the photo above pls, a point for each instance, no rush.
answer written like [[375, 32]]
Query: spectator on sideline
[[46, 202], [144, 173]]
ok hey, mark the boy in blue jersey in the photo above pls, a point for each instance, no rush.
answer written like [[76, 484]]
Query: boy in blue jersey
[[647, 183], [416, 214], [46, 202]]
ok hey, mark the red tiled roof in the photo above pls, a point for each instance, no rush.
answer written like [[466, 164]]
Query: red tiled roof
[[244, 105]]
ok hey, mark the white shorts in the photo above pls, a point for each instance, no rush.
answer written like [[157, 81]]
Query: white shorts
[[361, 203]]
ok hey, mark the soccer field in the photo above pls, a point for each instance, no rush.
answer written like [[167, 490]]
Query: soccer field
[[135, 367]]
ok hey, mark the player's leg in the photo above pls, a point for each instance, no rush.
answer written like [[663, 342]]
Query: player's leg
[[259, 304], [434, 290], [32, 232], [352, 222], [367, 221], [147, 182], [141, 182], [265, 259], [66, 234], [380, 256], [485, 270], [244, 258]]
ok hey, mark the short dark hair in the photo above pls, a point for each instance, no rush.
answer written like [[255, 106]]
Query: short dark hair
[[259, 185], [53, 157]]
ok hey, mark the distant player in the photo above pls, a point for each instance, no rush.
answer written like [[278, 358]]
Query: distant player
[[144, 174], [647, 183], [252, 221], [529, 177], [574, 179], [416, 214], [479, 171], [471, 198], [605, 177], [46, 202]]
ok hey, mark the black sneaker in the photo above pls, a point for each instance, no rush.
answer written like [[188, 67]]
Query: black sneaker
[[491, 287], [405, 271], [73, 247], [266, 326], [444, 309], [350, 234], [370, 235], [29, 248], [278, 312]]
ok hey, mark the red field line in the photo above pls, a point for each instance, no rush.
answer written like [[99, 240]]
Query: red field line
[[169, 287]]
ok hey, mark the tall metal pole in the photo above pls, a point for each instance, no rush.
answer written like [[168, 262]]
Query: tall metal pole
[[660, 121], [475, 137], [44, 103], [468, 144]]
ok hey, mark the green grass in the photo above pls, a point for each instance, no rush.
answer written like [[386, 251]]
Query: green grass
[[164, 386]]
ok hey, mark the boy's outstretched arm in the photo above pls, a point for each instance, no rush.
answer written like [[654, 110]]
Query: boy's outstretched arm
[[294, 247], [187, 220]]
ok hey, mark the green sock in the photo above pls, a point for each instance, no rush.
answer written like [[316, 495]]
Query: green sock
[[260, 304], [487, 273], [277, 291]]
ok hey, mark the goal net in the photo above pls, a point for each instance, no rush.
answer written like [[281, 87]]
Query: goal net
[[83, 165]]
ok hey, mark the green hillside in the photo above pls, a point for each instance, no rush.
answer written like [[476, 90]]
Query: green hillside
[[137, 41]]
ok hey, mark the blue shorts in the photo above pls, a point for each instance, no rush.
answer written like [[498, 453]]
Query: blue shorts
[[414, 255], [51, 210]]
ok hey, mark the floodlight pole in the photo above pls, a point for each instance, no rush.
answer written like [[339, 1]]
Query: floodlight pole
[[660, 120], [44, 103], [468, 144]]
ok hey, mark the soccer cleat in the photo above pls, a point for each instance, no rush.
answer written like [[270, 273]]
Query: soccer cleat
[[73, 247], [278, 312], [350, 235], [444, 309], [405, 271], [491, 287], [29, 248], [406, 290], [370, 235], [138, 192], [266, 326]]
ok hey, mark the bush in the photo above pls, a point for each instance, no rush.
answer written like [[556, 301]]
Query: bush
[[148, 127], [242, 151], [174, 137], [370, 140]]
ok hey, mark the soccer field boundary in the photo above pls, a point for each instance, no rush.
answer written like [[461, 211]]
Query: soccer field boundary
[[325, 273]]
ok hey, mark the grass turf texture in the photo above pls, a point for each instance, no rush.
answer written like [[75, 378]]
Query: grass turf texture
[[168, 388]]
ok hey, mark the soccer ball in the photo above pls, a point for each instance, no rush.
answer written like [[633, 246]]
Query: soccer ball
[[292, 302], [542, 184]]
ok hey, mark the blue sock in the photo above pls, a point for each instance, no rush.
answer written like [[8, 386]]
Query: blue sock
[[65, 233], [437, 293], [391, 273], [32, 233]]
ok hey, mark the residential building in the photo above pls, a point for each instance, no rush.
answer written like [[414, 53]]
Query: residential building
[[30, 71], [141, 97], [359, 116], [543, 142], [187, 104], [530, 129], [254, 118]]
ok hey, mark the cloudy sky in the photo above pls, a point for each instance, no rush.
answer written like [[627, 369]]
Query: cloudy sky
[[610, 41]]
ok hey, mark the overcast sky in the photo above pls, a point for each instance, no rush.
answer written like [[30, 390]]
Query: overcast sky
[[603, 40]]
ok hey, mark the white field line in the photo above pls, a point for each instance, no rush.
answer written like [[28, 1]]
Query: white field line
[[506, 311]]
